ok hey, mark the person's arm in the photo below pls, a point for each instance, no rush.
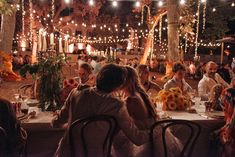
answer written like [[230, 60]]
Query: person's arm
[[221, 81], [155, 86], [202, 91], [136, 108], [127, 125], [62, 116], [167, 85]]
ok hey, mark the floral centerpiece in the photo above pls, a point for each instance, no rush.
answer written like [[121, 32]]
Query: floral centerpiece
[[173, 99], [48, 73]]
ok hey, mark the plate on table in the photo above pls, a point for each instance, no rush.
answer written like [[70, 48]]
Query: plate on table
[[216, 114], [32, 102]]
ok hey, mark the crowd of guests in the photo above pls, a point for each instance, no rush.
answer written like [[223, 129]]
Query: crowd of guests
[[124, 92]]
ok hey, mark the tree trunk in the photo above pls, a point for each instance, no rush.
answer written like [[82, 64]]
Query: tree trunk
[[149, 41], [173, 30], [7, 31]]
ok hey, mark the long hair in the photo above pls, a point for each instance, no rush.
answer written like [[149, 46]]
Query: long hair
[[9, 123], [134, 85]]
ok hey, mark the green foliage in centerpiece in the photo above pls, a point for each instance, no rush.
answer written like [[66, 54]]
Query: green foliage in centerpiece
[[49, 74]]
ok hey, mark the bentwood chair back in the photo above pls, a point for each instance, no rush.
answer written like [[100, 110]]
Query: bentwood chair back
[[3, 137], [192, 132], [79, 128]]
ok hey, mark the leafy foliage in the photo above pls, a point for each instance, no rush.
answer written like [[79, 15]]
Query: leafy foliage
[[49, 72], [5, 8]]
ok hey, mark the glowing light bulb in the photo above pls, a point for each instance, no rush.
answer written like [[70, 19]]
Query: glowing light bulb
[[182, 2], [114, 3], [137, 4], [91, 2], [160, 3], [213, 9]]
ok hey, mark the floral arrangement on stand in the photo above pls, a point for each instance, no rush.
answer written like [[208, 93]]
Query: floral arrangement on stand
[[174, 100], [48, 74]]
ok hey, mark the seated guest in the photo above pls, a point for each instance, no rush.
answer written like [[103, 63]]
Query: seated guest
[[227, 133], [68, 86], [16, 136], [85, 75], [143, 112], [144, 74], [96, 101], [178, 79], [209, 80], [232, 84]]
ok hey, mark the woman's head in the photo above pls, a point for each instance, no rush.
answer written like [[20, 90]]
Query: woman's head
[[179, 70], [110, 78], [134, 86], [132, 80], [143, 71]]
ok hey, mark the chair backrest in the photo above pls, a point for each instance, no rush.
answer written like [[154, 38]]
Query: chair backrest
[[192, 134], [83, 123], [3, 137]]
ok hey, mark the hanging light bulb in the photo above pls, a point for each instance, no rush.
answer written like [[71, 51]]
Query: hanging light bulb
[[114, 3], [233, 4], [213, 9], [91, 2], [182, 2], [160, 3], [137, 4], [67, 1]]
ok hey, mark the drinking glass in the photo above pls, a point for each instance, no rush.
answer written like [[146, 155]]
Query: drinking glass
[[159, 106], [17, 97]]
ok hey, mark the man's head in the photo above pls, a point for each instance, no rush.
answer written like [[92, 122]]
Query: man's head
[[211, 68], [143, 71], [179, 70], [84, 72], [110, 78]]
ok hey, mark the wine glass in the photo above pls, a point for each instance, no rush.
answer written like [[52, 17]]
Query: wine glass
[[17, 97]]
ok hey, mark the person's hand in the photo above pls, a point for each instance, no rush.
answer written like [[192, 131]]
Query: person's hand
[[56, 113]]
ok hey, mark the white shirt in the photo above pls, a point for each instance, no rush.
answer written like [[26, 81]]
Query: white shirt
[[173, 83], [205, 84]]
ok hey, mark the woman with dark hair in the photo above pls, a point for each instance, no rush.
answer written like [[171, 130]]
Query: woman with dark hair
[[141, 109], [15, 135], [96, 101]]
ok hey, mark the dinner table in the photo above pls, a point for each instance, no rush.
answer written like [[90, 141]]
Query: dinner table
[[209, 122], [43, 139]]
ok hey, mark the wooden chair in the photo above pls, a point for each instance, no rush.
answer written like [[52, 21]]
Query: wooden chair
[[83, 123], [192, 134], [22, 152], [3, 137]]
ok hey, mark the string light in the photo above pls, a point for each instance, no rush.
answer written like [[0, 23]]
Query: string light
[[137, 4], [91, 2], [114, 3], [182, 2], [31, 22], [204, 16], [52, 8], [197, 31], [23, 17], [160, 3], [160, 30]]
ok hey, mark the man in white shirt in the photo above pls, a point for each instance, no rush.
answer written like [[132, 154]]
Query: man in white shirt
[[210, 79]]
